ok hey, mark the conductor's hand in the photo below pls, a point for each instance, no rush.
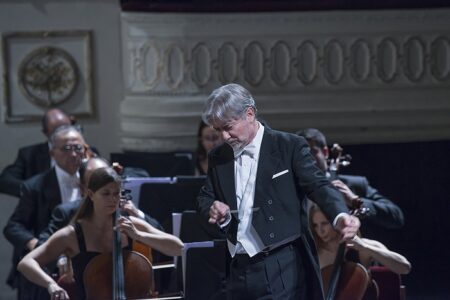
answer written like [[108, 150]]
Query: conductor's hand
[[126, 226], [218, 212], [56, 292], [348, 226]]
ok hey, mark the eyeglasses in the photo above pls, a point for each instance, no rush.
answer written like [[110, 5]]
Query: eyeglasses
[[75, 147]]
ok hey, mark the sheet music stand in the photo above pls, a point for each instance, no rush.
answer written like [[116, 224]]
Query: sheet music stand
[[134, 185], [158, 164], [161, 199]]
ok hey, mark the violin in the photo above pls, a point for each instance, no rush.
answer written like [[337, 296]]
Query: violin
[[122, 274], [345, 280]]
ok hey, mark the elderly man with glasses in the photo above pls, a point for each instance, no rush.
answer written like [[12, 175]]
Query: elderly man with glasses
[[39, 195]]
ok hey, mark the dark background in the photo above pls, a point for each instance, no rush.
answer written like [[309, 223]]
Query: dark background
[[416, 177], [273, 5]]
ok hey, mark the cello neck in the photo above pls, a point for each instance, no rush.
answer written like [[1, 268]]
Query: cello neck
[[335, 274], [118, 273]]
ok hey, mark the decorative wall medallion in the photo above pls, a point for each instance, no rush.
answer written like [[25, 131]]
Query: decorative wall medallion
[[387, 60], [414, 59], [48, 76], [43, 69], [307, 61], [228, 63], [201, 65], [280, 63], [360, 60], [440, 58]]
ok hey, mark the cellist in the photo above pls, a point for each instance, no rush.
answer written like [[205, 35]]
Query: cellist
[[359, 250], [383, 213], [91, 234]]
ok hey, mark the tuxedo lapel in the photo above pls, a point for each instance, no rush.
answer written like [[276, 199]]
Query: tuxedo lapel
[[51, 189], [269, 160], [42, 158]]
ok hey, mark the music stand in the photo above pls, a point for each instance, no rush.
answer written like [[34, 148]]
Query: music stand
[[158, 164], [161, 199], [133, 184]]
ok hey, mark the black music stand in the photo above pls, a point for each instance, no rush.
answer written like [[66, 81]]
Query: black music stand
[[157, 164], [160, 200]]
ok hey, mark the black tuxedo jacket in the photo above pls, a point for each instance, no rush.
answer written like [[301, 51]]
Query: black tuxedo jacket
[[31, 160], [39, 195], [286, 175]]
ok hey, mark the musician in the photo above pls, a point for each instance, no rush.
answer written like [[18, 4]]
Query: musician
[[39, 195], [255, 191], [361, 250], [382, 211], [207, 139], [91, 233], [33, 159], [63, 213]]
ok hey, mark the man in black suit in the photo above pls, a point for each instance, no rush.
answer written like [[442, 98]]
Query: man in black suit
[[34, 159], [39, 195], [256, 192], [382, 211]]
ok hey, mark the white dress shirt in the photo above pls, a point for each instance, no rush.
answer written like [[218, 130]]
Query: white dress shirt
[[245, 169], [69, 185]]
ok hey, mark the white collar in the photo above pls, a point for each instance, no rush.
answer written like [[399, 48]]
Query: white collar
[[255, 145], [64, 176]]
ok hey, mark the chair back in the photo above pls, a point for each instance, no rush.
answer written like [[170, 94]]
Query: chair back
[[389, 283]]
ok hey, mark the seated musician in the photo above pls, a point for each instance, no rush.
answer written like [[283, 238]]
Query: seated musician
[[360, 250], [91, 233]]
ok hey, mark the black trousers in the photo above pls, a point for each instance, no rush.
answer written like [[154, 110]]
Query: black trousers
[[278, 274]]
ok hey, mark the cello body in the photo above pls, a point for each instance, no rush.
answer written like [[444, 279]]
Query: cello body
[[138, 276], [352, 283]]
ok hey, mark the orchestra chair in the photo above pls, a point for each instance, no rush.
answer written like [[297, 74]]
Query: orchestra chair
[[389, 283]]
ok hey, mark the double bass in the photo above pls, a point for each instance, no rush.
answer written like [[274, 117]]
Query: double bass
[[122, 274], [344, 280]]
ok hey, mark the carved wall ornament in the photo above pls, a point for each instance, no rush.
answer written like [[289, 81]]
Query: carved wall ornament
[[370, 74], [48, 76], [308, 61], [387, 58], [228, 63], [44, 69], [440, 58]]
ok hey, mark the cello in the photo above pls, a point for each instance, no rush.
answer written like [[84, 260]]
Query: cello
[[122, 274], [345, 280]]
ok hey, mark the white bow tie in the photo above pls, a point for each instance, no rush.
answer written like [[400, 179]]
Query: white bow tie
[[249, 150]]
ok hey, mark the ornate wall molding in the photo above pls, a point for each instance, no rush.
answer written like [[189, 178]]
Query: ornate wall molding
[[388, 61]]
